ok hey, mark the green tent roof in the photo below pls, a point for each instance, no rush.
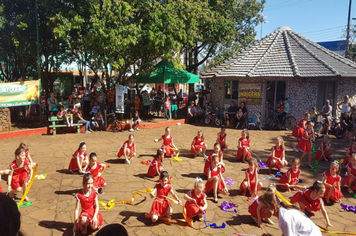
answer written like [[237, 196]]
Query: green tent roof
[[166, 73]]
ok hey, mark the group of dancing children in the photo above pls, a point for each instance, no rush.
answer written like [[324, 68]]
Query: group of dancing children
[[310, 199]]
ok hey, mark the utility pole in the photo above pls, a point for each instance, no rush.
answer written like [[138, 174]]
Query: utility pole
[[347, 48]]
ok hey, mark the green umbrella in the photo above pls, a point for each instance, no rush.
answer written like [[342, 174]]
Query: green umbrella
[[166, 73]]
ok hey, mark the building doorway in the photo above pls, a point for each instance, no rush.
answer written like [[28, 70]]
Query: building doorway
[[326, 90], [275, 92]]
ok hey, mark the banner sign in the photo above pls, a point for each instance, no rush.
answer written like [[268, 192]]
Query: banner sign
[[250, 93], [19, 93]]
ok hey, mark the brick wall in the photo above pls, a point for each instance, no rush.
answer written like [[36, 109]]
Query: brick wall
[[5, 119]]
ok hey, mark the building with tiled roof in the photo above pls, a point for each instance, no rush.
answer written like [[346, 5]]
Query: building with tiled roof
[[283, 64]]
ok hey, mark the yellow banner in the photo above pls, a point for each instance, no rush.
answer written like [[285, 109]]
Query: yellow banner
[[19, 93]]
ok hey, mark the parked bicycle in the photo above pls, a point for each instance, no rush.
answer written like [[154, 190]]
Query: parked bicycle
[[114, 123], [212, 117], [254, 122], [272, 122]]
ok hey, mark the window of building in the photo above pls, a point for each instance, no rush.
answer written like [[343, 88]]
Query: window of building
[[231, 89]]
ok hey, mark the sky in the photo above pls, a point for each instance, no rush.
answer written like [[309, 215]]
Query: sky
[[317, 20]]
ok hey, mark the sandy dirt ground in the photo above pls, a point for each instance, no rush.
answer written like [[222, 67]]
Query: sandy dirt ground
[[54, 202]]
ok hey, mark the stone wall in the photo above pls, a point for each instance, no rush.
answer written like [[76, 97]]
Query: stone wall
[[302, 96], [5, 119]]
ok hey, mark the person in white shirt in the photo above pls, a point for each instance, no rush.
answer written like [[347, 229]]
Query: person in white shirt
[[291, 220]]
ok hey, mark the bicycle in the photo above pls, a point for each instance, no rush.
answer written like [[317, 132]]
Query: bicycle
[[212, 117], [114, 123], [254, 122], [273, 122]]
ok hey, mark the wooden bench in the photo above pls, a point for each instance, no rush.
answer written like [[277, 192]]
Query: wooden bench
[[54, 126]]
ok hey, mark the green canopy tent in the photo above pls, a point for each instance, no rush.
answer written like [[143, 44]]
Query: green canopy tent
[[166, 73]]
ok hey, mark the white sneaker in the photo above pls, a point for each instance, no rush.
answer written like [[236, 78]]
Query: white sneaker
[[71, 124], [296, 149], [137, 129], [131, 130]]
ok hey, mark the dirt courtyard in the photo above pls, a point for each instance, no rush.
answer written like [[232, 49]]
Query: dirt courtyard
[[53, 198]]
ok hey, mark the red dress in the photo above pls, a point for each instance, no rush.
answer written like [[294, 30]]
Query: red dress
[[221, 140], [160, 205], [304, 143], [299, 129], [208, 162], [131, 148], [294, 180], [252, 180], [1, 189], [240, 150], [73, 165], [198, 144], [98, 180], [209, 184], [350, 151], [152, 171], [167, 145], [345, 181], [88, 204], [277, 153], [319, 153], [191, 207], [20, 174], [253, 208], [336, 195], [307, 200]]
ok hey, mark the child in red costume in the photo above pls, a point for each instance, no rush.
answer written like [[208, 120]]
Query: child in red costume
[[350, 151], [278, 157], [156, 166], [20, 173], [79, 159], [168, 146], [324, 152], [291, 177], [251, 183], [243, 148], [128, 149], [330, 179], [304, 143], [196, 202], [299, 128], [221, 139], [311, 199], [198, 146], [255, 208], [215, 180], [96, 168], [216, 152], [350, 177], [87, 199], [161, 205]]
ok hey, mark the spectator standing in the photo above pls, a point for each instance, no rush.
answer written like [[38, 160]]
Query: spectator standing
[[344, 106], [111, 99], [167, 107], [199, 113], [146, 104], [137, 103], [327, 113], [101, 98], [87, 99], [52, 105]]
